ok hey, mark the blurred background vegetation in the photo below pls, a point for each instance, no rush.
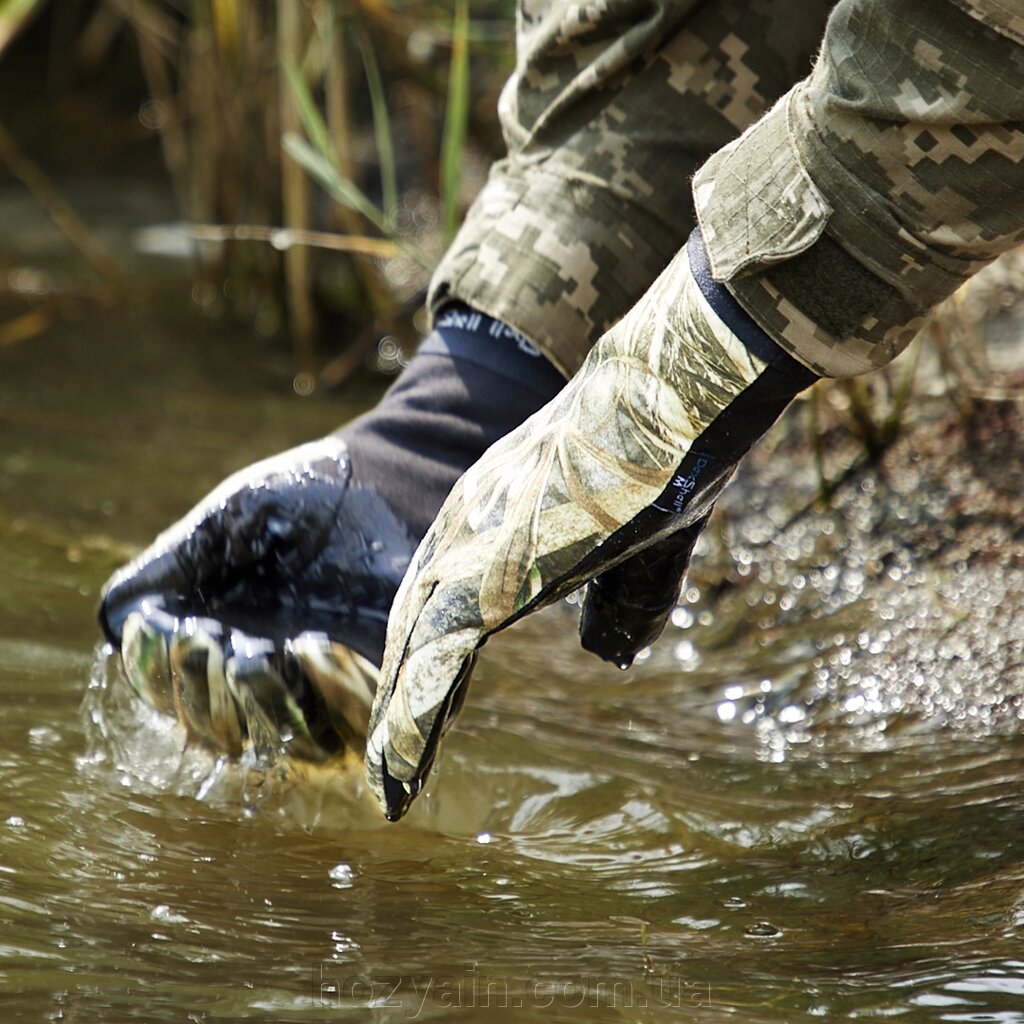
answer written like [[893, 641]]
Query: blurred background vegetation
[[321, 153]]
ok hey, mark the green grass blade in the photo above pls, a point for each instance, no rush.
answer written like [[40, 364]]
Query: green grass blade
[[309, 112], [14, 15], [381, 129], [455, 121], [321, 169]]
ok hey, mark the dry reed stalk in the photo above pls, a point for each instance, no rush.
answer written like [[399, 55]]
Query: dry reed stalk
[[25, 327], [61, 214], [339, 123], [157, 74], [295, 194], [283, 239]]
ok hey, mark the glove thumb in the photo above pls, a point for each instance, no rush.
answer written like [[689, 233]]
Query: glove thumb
[[626, 608]]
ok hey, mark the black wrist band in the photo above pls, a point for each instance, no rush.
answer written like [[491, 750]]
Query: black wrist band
[[737, 319]]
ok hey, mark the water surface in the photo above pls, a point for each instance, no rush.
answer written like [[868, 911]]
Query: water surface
[[805, 803]]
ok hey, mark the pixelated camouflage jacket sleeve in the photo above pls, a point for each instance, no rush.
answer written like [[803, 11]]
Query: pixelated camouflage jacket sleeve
[[610, 109], [866, 194], [879, 184]]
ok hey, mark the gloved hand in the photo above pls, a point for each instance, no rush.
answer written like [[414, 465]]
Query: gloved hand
[[629, 457], [259, 618], [262, 612]]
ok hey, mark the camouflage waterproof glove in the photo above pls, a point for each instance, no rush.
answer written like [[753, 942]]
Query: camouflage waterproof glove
[[609, 480]]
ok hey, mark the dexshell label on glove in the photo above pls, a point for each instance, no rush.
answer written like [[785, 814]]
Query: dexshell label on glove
[[684, 482]]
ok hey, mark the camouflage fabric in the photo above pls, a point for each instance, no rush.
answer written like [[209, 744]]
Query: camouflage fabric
[[1007, 16], [515, 529], [611, 109], [877, 186], [869, 193]]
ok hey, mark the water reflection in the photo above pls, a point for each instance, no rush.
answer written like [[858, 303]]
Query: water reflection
[[562, 852]]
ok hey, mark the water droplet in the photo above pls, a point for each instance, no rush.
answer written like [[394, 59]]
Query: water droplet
[[162, 912], [682, 618], [43, 736], [341, 876], [685, 651]]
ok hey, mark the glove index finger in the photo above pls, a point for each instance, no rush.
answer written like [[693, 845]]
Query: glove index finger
[[398, 770], [426, 674]]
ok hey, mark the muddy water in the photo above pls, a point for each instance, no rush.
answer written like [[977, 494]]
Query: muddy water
[[806, 803]]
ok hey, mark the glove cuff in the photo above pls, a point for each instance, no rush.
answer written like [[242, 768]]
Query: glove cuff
[[738, 320], [708, 463], [472, 381]]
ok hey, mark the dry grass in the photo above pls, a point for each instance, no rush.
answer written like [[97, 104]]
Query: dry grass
[[353, 118], [323, 151]]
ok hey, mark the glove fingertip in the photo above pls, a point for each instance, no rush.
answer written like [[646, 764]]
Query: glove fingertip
[[604, 631], [398, 795], [160, 577]]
